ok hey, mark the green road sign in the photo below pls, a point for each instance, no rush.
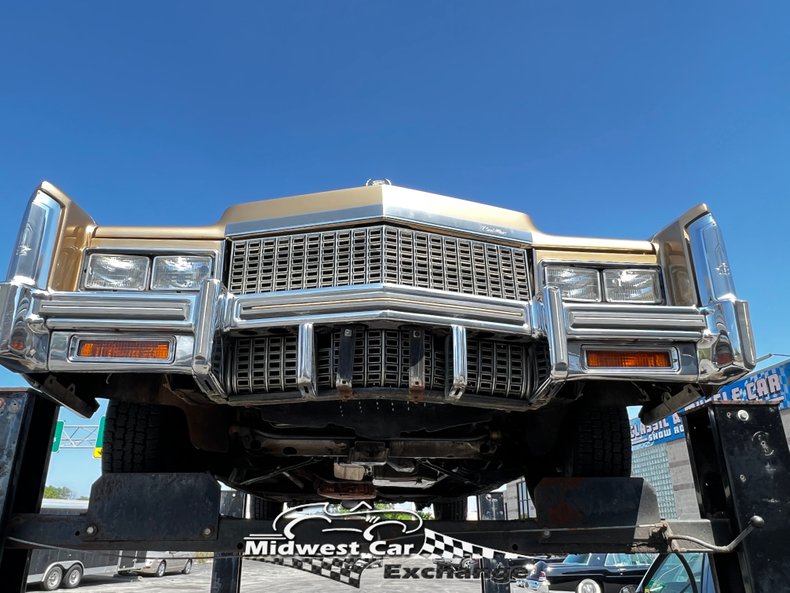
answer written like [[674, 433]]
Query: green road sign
[[99, 439], [56, 437]]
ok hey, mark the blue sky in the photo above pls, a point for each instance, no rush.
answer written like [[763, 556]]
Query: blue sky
[[598, 118]]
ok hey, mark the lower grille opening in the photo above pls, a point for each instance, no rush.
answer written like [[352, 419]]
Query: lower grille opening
[[495, 368]]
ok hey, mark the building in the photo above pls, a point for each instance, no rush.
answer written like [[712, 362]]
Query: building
[[660, 454]]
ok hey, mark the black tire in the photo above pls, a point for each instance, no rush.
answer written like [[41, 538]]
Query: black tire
[[161, 569], [187, 567], [52, 579], [145, 438], [450, 511], [262, 509], [599, 444], [73, 577]]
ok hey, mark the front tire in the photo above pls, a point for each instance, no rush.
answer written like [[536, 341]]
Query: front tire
[[161, 569], [261, 508], [73, 577], [588, 586], [599, 444], [450, 511], [594, 443], [145, 438]]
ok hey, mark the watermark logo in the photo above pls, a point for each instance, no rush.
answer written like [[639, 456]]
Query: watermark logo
[[357, 531]]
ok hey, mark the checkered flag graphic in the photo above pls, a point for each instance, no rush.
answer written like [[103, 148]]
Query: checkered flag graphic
[[343, 570], [438, 545]]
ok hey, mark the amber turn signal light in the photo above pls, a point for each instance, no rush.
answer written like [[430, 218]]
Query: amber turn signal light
[[149, 349], [628, 359]]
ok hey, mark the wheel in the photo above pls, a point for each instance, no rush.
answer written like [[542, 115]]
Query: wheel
[[599, 444], [468, 564], [160, 570], [52, 579], [145, 438], [73, 577], [450, 511], [261, 508], [187, 567], [588, 586]]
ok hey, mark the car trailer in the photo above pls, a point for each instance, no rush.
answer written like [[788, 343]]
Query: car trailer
[[739, 456]]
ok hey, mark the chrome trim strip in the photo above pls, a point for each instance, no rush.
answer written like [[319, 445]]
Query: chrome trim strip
[[379, 316], [459, 368], [115, 306], [555, 331], [376, 212], [378, 301], [305, 361], [685, 318]]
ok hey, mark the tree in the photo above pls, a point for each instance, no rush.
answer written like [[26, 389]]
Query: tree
[[58, 492]]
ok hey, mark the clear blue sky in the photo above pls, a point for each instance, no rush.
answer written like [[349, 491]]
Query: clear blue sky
[[597, 118]]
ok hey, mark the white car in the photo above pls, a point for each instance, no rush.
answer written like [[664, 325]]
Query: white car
[[158, 563]]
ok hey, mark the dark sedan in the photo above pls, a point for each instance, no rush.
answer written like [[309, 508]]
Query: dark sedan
[[590, 573]]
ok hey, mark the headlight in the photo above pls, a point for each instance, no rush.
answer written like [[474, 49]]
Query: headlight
[[117, 272], [180, 272], [575, 284], [35, 244], [631, 286]]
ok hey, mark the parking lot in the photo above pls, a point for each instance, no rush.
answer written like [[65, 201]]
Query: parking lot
[[259, 576]]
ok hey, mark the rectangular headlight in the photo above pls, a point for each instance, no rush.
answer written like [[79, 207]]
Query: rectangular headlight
[[575, 284], [632, 286], [180, 272], [117, 272]]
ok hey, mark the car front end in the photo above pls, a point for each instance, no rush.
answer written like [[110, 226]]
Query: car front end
[[377, 294]]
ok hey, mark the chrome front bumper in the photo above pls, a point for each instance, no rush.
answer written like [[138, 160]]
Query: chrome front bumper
[[39, 330]]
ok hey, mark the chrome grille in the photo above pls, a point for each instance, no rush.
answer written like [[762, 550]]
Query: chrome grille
[[381, 359], [267, 364], [264, 364], [377, 254]]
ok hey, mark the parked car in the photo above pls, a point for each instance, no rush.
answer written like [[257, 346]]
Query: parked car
[[589, 573], [369, 343], [157, 564]]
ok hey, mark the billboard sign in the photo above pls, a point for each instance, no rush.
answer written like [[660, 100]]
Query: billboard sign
[[770, 383]]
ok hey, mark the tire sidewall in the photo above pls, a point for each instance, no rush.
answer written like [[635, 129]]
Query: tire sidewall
[[187, 567], [581, 587], [72, 574], [46, 585], [161, 569]]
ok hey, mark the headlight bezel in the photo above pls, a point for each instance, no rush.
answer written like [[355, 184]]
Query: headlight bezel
[[607, 266], [150, 255]]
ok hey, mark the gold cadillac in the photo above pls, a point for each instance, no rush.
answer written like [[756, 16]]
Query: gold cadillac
[[373, 342]]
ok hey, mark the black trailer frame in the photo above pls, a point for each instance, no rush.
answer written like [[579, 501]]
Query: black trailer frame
[[738, 450]]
